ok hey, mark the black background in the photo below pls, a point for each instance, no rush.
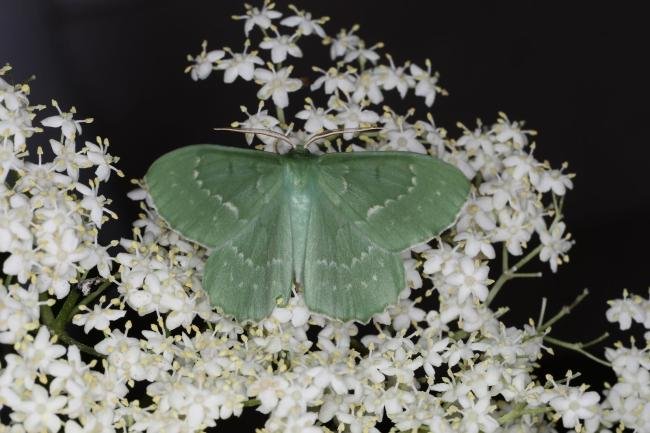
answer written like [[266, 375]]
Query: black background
[[576, 75]]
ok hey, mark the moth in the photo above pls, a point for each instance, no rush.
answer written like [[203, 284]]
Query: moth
[[332, 225]]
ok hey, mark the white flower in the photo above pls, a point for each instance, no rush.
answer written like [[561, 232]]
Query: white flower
[[392, 77], [258, 17], [405, 313], [305, 23], [477, 211], [295, 312], [203, 63], [20, 263], [471, 279], [62, 252], [504, 191], [40, 412], [276, 85], [239, 65], [514, 230], [475, 416], [17, 124], [303, 423], [368, 88], [68, 159], [97, 256], [316, 119], [94, 203], [333, 80], [363, 53], [506, 131], [19, 310], [14, 228], [574, 404], [554, 180], [13, 97], [476, 244], [426, 86], [281, 46], [625, 310], [443, 259], [296, 399], [353, 116], [523, 164], [432, 135], [260, 120], [267, 389], [555, 246], [69, 126], [626, 359], [396, 400], [98, 318], [9, 160], [182, 310], [343, 42], [464, 351], [433, 354], [413, 277], [98, 155], [40, 353], [403, 137]]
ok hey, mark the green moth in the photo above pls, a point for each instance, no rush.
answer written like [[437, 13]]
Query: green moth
[[334, 224]]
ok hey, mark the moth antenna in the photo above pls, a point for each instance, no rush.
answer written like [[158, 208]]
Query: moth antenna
[[326, 134], [258, 131]]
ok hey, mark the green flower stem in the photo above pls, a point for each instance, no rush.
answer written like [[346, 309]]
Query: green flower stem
[[88, 299], [521, 410], [511, 273], [69, 304], [252, 402], [47, 317], [595, 340], [576, 347], [46, 312], [279, 112], [542, 312], [564, 311], [83, 347]]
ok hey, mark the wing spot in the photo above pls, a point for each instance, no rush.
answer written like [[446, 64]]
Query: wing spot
[[373, 210], [195, 174], [258, 184], [232, 208]]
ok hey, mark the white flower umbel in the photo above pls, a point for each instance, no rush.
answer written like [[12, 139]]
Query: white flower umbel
[[447, 364]]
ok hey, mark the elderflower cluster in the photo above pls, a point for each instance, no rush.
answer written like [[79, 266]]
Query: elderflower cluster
[[158, 357]]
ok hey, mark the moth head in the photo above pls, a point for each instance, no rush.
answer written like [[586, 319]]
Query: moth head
[[299, 146]]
